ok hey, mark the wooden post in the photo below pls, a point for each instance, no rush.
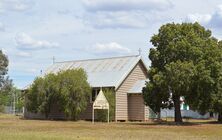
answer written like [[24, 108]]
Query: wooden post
[[93, 116], [108, 115]]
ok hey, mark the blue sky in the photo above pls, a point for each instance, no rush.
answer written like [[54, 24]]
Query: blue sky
[[33, 31]]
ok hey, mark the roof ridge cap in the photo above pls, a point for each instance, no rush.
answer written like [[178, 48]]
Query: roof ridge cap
[[98, 58]]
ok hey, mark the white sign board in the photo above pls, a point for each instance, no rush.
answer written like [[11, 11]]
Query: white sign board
[[100, 103]]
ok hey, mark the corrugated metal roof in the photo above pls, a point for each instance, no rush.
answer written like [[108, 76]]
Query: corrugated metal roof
[[105, 72], [138, 86]]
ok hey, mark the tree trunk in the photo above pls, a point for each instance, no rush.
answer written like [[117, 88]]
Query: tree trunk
[[159, 116], [177, 113], [47, 111], [220, 117], [211, 114]]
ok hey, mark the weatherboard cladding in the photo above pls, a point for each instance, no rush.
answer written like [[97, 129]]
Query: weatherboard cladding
[[136, 106], [139, 72], [107, 72]]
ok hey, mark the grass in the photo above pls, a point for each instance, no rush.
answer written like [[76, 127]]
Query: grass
[[15, 128]]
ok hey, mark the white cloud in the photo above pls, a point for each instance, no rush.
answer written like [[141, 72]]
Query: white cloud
[[57, 25], [199, 18], [24, 41], [23, 54], [14, 5], [4, 51], [2, 27], [216, 19], [31, 70], [109, 48], [210, 20], [117, 20], [123, 13], [126, 5]]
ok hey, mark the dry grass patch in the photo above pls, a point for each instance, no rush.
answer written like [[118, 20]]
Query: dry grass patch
[[12, 128]]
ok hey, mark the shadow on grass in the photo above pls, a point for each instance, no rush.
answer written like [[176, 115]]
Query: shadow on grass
[[49, 119], [193, 122]]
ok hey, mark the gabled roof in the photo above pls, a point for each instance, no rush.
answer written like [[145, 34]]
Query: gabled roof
[[105, 72], [138, 86]]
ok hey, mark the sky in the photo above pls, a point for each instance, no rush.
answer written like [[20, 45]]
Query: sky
[[32, 32]]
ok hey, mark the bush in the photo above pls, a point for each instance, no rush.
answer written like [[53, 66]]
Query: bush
[[75, 91], [69, 89], [2, 109]]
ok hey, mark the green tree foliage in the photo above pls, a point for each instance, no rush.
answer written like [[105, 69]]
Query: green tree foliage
[[75, 91], [3, 68], [42, 95], [152, 93], [15, 98], [19, 100], [215, 66], [102, 114], [5, 82], [186, 61], [68, 89], [207, 83], [33, 96], [5, 93]]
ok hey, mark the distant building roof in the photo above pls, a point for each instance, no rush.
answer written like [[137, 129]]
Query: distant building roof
[[105, 72], [138, 86]]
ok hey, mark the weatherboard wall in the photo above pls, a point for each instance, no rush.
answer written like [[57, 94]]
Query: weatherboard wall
[[136, 107], [138, 73]]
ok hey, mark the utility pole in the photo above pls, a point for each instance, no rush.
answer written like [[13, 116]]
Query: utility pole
[[14, 104], [139, 51], [53, 60]]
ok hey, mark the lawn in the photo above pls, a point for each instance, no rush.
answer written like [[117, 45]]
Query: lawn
[[15, 128]]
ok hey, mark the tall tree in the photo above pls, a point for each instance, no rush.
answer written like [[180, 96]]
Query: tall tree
[[5, 82], [152, 93], [217, 98], [179, 59], [3, 68], [216, 67], [208, 82]]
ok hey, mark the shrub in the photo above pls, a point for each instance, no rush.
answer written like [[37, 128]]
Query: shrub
[[69, 89]]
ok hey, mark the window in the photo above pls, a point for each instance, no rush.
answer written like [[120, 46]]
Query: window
[[94, 95]]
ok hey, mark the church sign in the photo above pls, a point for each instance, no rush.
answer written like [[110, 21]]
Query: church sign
[[100, 103]]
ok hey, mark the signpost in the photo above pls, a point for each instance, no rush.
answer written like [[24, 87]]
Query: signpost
[[100, 103]]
